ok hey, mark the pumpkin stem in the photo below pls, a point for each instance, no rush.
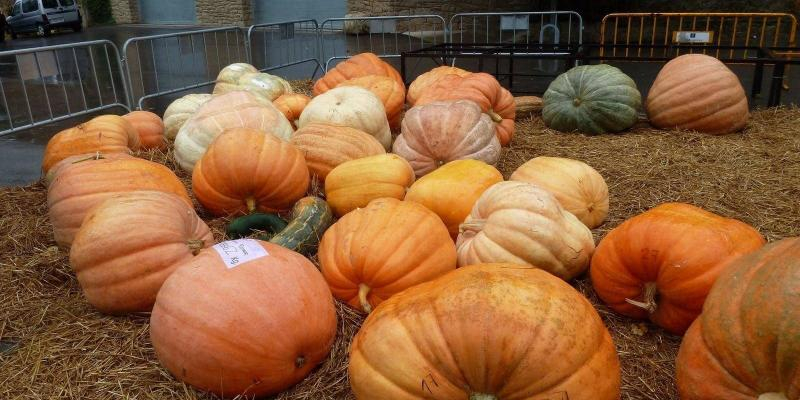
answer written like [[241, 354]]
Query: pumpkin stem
[[474, 225], [299, 361], [251, 204], [495, 116], [576, 102], [363, 291], [649, 297], [95, 156], [773, 396], [482, 396], [195, 245]]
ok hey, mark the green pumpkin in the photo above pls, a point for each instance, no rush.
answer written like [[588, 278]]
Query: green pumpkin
[[592, 99]]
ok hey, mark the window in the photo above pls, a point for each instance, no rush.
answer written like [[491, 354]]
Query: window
[[66, 3], [29, 6], [49, 3], [17, 10]]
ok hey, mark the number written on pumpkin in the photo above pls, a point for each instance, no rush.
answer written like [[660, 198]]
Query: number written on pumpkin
[[240, 251]]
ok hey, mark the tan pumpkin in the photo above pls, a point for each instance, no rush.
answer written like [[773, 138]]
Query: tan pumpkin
[[350, 106], [265, 86], [424, 81], [355, 183], [82, 185], [150, 128], [390, 245], [697, 92], [440, 132], [227, 111], [121, 270], [292, 105], [179, 111], [528, 104], [579, 188], [391, 93], [104, 134], [326, 146], [245, 170], [519, 223], [361, 64]]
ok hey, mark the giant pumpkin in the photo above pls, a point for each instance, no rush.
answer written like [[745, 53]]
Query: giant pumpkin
[[389, 91], [121, 270], [424, 81], [59, 166], [264, 86], [245, 170], [355, 183], [326, 146], [359, 65], [697, 92], [379, 250], [485, 332], [104, 134], [244, 317], [443, 131], [745, 344], [150, 128], [180, 110], [661, 264]]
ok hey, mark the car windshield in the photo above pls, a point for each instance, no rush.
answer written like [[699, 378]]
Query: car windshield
[[50, 3], [67, 2]]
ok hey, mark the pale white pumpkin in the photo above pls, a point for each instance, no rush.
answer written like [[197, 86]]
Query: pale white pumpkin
[[181, 110], [350, 106], [228, 77], [231, 110], [521, 223], [265, 86]]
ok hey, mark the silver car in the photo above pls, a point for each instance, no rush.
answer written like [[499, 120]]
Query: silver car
[[41, 16]]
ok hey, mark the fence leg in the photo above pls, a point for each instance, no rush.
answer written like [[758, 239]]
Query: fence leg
[[403, 69], [777, 84], [758, 76]]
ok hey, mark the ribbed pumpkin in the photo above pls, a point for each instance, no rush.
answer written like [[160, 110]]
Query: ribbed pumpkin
[[228, 77], [359, 65], [520, 223], [104, 134], [179, 111], [349, 106], [227, 111], [591, 99], [391, 93], [579, 188], [375, 252], [150, 128], [485, 332], [246, 170], [252, 329], [661, 264], [82, 185], [292, 105], [121, 270], [355, 183], [424, 81], [440, 132], [483, 89], [56, 169], [452, 190], [745, 344], [697, 92], [264, 86], [326, 146]]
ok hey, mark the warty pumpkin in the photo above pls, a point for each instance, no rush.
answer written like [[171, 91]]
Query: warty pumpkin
[[485, 332], [424, 81], [104, 134], [391, 93], [359, 65], [355, 183], [697, 92], [483, 89], [264, 86], [444, 131], [82, 185], [292, 105], [661, 264], [179, 111], [227, 111], [120, 270], [245, 170], [745, 344], [579, 188], [591, 99], [382, 249], [253, 327], [326, 146], [519, 223], [150, 128], [451, 190], [350, 106]]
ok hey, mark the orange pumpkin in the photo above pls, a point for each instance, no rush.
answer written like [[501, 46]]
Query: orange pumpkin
[[389, 91], [252, 328], [390, 245], [292, 105], [150, 128], [484, 90], [355, 183], [424, 81], [326, 146], [245, 170], [104, 134], [80, 186], [121, 270], [359, 65], [55, 169], [485, 332], [661, 264]]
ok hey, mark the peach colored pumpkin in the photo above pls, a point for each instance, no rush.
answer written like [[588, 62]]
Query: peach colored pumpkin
[[355, 183], [327, 146], [292, 105], [55, 169], [350, 106], [104, 134], [424, 81], [359, 65], [180, 110], [389, 91], [150, 128]]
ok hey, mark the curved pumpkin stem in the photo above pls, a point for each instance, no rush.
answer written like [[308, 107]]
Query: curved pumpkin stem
[[251, 204], [195, 245], [773, 396], [649, 297], [482, 396], [494, 116], [363, 291], [474, 225]]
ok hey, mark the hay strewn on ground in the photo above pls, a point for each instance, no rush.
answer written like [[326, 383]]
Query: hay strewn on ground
[[53, 345]]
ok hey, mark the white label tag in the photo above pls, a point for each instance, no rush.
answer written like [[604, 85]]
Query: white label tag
[[240, 251], [692, 36]]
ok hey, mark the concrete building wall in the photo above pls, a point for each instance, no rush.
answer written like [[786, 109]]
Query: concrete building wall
[[229, 12], [125, 11]]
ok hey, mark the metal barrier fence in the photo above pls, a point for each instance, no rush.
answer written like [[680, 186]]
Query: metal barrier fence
[[160, 65], [52, 83], [279, 45], [546, 27]]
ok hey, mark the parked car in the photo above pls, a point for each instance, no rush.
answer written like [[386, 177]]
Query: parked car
[[41, 16]]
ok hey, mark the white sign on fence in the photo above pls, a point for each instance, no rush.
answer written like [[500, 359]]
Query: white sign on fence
[[514, 22], [692, 37]]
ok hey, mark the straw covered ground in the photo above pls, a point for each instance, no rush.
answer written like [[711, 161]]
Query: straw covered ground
[[54, 345]]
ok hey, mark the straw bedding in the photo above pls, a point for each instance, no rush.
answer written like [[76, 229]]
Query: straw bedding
[[54, 345]]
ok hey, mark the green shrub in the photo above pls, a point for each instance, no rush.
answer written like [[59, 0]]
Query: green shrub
[[99, 11]]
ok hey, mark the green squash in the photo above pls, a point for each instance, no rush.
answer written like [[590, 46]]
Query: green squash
[[592, 99], [252, 223]]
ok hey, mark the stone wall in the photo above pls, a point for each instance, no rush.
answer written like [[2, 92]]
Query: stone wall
[[125, 11], [229, 12], [444, 8]]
